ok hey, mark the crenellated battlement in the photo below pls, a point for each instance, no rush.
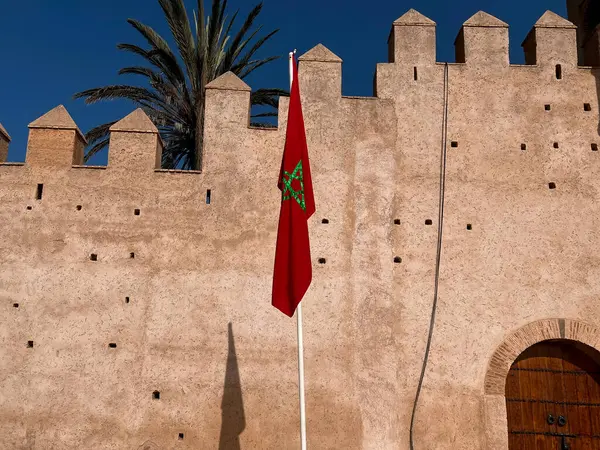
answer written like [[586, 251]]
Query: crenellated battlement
[[481, 44], [553, 40]]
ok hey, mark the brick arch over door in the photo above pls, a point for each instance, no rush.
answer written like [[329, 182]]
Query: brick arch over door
[[496, 426], [530, 334]]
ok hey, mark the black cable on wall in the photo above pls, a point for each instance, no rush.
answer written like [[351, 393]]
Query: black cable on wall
[[438, 256]]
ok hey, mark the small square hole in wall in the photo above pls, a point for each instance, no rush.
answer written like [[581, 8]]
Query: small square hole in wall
[[555, 145], [126, 299], [29, 344], [325, 221], [112, 345], [396, 221], [469, 227], [594, 147], [156, 395], [552, 185], [180, 437], [29, 208], [132, 255], [15, 305], [428, 222], [547, 107], [322, 261], [587, 107], [397, 260], [523, 147], [93, 257], [39, 191], [136, 212], [78, 207], [454, 144]]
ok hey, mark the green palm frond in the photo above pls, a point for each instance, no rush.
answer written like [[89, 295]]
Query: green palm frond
[[97, 139], [246, 58], [251, 66], [174, 92], [160, 49], [268, 114], [179, 24], [262, 125], [267, 97]]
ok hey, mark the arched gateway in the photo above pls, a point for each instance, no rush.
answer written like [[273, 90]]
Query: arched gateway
[[511, 352], [553, 397]]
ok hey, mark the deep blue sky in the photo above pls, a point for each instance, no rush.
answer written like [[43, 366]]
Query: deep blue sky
[[51, 49]]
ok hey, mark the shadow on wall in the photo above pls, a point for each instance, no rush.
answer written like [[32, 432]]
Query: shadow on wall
[[232, 407], [587, 37], [596, 73]]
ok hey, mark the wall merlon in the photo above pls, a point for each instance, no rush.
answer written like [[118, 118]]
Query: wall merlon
[[282, 112], [4, 141], [412, 40], [135, 143], [4, 134], [228, 82], [552, 20], [412, 17], [136, 122], [320, 72], [55, 140], [227, 102], [481, 19], [483, 42], [320, 53], [552, 41], [59, 119]]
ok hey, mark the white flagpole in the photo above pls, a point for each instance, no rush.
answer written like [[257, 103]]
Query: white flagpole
[[301, 379], [299, 327]]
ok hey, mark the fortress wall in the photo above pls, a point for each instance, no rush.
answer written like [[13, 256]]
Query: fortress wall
[[71, 389], [196, 268], [531, 252], [190, 311], [415, 82]]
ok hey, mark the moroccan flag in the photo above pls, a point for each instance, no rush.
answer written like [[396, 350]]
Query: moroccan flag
[[293, 267]]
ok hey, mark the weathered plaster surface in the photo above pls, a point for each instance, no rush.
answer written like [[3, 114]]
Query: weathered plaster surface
[[527, 265], [4, 141]]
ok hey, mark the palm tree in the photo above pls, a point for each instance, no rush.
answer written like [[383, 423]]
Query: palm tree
[[175, 95]]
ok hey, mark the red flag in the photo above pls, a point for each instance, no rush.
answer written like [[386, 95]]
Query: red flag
[[293, 267]]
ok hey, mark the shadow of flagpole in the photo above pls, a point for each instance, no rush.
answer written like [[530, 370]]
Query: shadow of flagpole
[[233, 418]]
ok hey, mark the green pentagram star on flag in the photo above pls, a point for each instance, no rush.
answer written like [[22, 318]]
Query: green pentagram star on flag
[[289, 191]]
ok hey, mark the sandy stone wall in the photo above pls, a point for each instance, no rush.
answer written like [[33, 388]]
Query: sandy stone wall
[[4, 141], [136, 301]]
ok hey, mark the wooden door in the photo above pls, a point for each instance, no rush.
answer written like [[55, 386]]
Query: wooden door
[[553, 398]]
